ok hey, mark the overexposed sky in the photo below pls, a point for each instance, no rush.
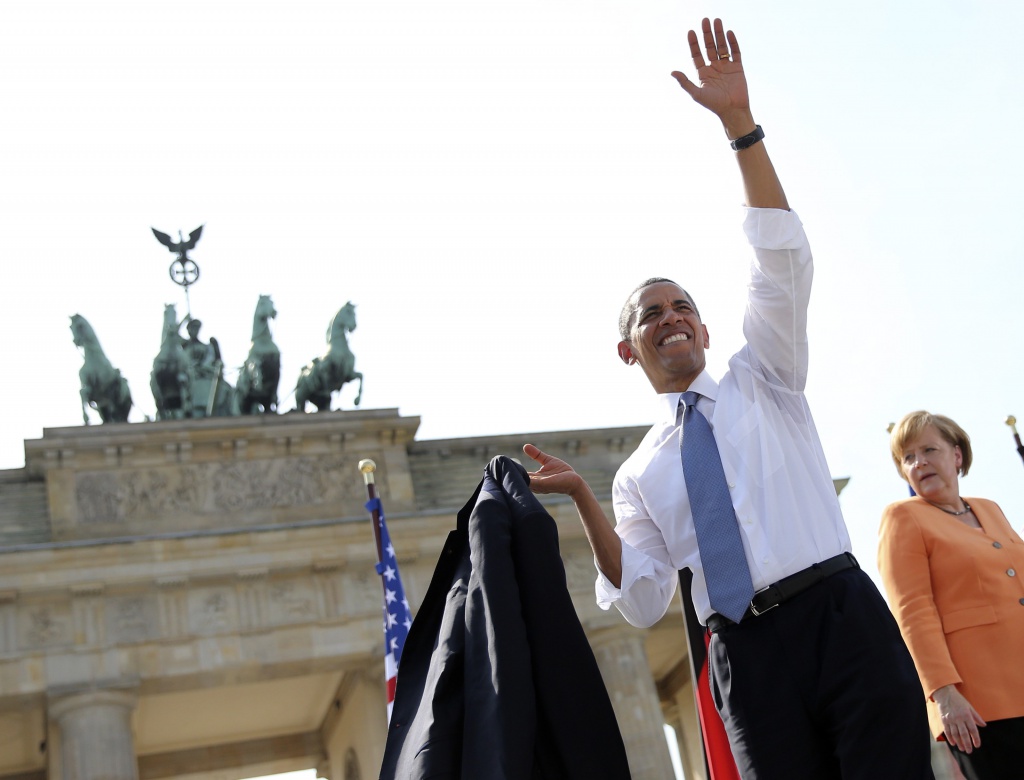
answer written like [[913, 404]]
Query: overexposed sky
[[487, 181]]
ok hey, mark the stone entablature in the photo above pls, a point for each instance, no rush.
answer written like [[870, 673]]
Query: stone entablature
[[151, 611], [157, 478]]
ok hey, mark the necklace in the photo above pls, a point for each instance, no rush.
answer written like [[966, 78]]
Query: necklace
[[964, 511]]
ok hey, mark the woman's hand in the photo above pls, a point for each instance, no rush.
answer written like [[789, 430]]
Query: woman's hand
[[960, 720]]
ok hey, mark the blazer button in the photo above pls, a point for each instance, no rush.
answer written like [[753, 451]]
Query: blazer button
[[1011, 572], [997, 545]]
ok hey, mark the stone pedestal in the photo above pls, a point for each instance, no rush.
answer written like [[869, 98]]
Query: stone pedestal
[[94, 735], [627, 676]]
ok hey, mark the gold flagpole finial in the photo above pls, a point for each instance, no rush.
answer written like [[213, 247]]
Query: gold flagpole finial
[[367, 466], [891, 426], [1012, 422]]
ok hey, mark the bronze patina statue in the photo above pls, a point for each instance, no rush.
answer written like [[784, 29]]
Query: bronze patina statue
[[256, 389], [187, 379], [183, 270], [103, 387], [169, 379], [211, 395], [327, 373]]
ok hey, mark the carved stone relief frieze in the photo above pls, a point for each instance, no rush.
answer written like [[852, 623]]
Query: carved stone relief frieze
[[291, 601], [132, 619], [362, 590], [43, 626], [100, 498], [215, 488], [212, 610]]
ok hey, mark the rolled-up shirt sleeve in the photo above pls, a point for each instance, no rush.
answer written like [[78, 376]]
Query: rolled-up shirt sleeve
[[648, 577], [647, 588]]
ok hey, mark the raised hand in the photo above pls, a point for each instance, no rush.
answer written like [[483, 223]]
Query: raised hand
[[723, 86], [554, 475], [723, 91], [557, 476]]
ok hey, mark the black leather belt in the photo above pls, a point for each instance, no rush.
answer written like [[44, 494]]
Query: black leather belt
[[782, 591]]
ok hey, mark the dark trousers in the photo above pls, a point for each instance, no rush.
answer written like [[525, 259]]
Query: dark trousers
[[1001, 755], [822, 687]]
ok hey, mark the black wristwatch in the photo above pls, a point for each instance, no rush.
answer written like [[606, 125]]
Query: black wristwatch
[[747, 140]]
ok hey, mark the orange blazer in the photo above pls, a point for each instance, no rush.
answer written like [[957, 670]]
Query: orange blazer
[[958, 596]]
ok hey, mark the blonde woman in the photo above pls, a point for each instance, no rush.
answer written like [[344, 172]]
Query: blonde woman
[[953, 569]]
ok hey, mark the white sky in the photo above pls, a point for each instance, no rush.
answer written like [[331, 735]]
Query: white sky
[[487, 180]]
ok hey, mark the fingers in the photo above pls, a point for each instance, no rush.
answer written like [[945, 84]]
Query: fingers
[[685, 83], [721, 43], [695, 55], [731, 37], [973, 734], [963, 733], [709, 39], [536, 453], [716, 42], [972, 727], [957, 737]]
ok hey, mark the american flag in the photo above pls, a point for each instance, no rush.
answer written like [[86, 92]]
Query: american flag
[[397, 615]]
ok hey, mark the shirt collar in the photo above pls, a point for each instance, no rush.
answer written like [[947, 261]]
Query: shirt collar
[[668, 403]]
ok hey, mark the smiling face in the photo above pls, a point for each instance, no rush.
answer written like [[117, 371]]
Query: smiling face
[[931, 464], [666, 337]]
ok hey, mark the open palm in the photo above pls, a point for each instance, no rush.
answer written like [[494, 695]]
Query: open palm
[[722, 85]]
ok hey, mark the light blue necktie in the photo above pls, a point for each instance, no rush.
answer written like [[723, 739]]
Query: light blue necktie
[[714, 520]]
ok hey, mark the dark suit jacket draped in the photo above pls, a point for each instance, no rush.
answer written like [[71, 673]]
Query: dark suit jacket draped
[[497, 679]]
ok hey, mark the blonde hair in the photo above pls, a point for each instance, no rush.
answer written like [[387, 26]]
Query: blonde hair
[[913, 425]]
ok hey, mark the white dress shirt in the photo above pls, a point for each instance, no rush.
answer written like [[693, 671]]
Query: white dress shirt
[[782, 491]]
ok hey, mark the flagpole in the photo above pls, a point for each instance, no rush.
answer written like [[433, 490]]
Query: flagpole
[[397, 615], [1012, 422], [367, 467]]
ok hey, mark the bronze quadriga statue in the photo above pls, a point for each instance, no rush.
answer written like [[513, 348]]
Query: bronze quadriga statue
[[256, 389], [103, 387], [327, 373], [169, 378]]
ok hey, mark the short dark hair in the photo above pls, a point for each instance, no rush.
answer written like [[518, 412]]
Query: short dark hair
[[626, 315]]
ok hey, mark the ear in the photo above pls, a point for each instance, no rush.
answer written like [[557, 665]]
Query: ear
[[958, 459], [707, 338], [626, 353]]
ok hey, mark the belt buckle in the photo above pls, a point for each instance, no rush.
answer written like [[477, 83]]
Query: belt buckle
[[758, 612]]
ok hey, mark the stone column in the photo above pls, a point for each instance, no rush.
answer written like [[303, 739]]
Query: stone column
[[691, 744], [627, 675], [95, 735]]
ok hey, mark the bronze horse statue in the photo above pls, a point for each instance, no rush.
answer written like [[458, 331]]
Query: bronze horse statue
[[169, 379], [103, 387], [323, 375], [256, 389]]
